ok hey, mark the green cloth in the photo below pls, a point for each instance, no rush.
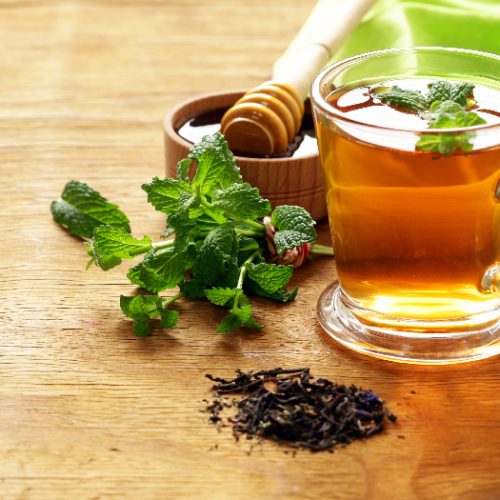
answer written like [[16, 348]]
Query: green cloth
[[471, 24]]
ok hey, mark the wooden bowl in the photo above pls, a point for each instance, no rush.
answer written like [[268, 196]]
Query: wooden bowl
[[283, 181]]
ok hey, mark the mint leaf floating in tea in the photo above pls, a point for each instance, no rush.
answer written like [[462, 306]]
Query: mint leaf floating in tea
[[443, 90], [289, 407], [446, 106], [81, 209], [215, 247], [447, 115], [461, 92], [406, 100], [439, 91]]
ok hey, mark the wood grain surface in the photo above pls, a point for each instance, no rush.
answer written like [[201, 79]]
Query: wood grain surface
[[89, 411]]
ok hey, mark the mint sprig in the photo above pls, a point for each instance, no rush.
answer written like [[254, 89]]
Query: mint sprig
[[214, 246], [81, 209], [444, 107]]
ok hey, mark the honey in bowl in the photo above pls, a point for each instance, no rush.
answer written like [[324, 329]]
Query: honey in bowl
[[286, 180], [414, 231], [208, 122]]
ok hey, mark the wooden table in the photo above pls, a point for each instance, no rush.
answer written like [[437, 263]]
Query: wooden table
[[89, 411]]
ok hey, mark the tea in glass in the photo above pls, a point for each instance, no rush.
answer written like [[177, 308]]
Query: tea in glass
[[409, 142]]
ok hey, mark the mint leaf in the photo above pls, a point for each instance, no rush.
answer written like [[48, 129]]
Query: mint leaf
[[192, 289], [81, 209], [111, 240], [282, 295], [183, 169], [220, 296], [252, 324], [217, 259], [290, 217], [216, 166], [439, 91], [443, 90], [191, 206], [161, 270], [239, 316], [246, 244], [165, 194], [243, 311], [295, 226], [169, 318], [110, 245], [443, 144], [141, 309], [285, 240], [441, 108], [229, 323], [270, 277], [105, 262], [247, 247], [185, 230], [241, 201], [460, 92], [205, 223], [133, 275], [445, 115], [408, 100]]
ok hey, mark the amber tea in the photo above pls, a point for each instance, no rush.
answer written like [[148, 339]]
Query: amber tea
[[412, 170], [413, 230]]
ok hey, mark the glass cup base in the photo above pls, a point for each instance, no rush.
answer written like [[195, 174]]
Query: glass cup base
[[413, 341]]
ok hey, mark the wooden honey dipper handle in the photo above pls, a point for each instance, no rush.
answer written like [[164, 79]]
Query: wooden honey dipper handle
[[321, 36], [266, 119]]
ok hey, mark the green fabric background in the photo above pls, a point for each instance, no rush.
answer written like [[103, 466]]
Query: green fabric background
[[472, 24]]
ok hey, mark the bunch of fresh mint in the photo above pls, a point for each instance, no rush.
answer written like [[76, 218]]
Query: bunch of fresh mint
[[446, 106], [214, 247]]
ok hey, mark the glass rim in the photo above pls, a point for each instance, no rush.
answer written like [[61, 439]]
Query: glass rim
[[319, 101]]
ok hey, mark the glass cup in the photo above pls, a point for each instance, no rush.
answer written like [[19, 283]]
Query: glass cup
[[416, 234]]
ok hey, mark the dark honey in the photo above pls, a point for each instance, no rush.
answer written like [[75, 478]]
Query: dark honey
[[304, 143]]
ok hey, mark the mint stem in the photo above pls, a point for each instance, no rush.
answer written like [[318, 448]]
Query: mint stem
[[254, 224], [139, 251], [322, 250], [241, 278], [249, 232], [163, 244], [171, 300], [243, 271]]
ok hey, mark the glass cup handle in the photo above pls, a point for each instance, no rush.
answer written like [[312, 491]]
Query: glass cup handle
[[491, 279]]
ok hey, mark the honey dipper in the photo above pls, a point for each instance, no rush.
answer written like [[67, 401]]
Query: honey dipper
[[265, 120]]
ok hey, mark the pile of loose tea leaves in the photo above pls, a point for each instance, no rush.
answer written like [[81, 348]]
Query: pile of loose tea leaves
[[287, 406]]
